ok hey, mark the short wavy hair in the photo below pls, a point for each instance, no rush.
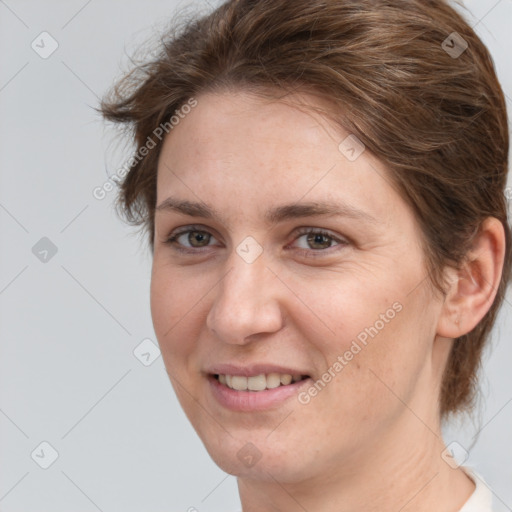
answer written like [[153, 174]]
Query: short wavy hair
[[410, 78]]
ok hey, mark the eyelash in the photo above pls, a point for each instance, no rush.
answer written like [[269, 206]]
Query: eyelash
[[172, 240]]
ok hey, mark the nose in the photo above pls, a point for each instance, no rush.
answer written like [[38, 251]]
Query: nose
[[246, 303]]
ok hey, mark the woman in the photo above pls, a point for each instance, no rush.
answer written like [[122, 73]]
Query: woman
[[323, 187]]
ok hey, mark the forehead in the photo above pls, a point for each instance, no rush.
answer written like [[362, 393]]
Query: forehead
[[240, 148]]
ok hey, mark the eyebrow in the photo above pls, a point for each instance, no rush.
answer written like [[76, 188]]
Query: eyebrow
[[274, 215]]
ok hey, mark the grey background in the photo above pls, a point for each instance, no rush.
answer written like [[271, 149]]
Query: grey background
[[69, 325]]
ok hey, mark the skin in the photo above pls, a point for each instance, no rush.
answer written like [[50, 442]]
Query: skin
[[371, 439]]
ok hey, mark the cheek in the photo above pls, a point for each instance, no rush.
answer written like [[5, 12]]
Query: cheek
[[367, 337], [382, 363], [342, 308], [175, 307], [172, 308]]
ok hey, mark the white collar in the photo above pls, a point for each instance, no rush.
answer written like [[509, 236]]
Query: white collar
[[481, 499]]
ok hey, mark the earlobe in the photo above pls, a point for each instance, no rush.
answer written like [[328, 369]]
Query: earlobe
[[472, 288]]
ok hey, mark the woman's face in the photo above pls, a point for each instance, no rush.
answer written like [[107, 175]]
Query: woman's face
[[282, 252]]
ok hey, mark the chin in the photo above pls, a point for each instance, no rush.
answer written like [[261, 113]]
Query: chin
[[260, 460]]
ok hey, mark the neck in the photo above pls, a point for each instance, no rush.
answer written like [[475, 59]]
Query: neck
[[402, 471]]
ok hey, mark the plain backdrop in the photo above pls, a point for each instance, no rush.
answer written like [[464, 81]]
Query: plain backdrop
[[74, 285]]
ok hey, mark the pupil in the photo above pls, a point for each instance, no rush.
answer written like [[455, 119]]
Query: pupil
[[198, 238], [318, 241]]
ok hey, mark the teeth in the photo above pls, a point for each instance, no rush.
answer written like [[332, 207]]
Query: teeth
[[239, 383], [273, 380], [286, 379], [258, 382]]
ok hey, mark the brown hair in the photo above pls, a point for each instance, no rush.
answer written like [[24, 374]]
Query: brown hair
[[391, 68]]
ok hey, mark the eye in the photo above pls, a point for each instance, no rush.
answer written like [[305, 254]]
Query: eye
[[317, 240], [191, 238]]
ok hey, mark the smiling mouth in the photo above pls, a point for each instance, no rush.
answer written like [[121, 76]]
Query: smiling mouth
[[260, 382]]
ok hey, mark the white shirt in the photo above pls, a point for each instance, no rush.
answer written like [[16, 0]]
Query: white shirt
[[481, 499]]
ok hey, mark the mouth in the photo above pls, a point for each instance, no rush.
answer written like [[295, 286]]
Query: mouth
[[258, 383], [255, 391]]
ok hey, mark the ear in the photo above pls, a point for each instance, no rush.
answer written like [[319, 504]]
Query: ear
[[472, 289]]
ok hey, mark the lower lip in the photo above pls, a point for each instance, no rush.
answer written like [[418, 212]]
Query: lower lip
[[248, 401]]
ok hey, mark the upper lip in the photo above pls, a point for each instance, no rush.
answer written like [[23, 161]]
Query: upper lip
[[251, 370]]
